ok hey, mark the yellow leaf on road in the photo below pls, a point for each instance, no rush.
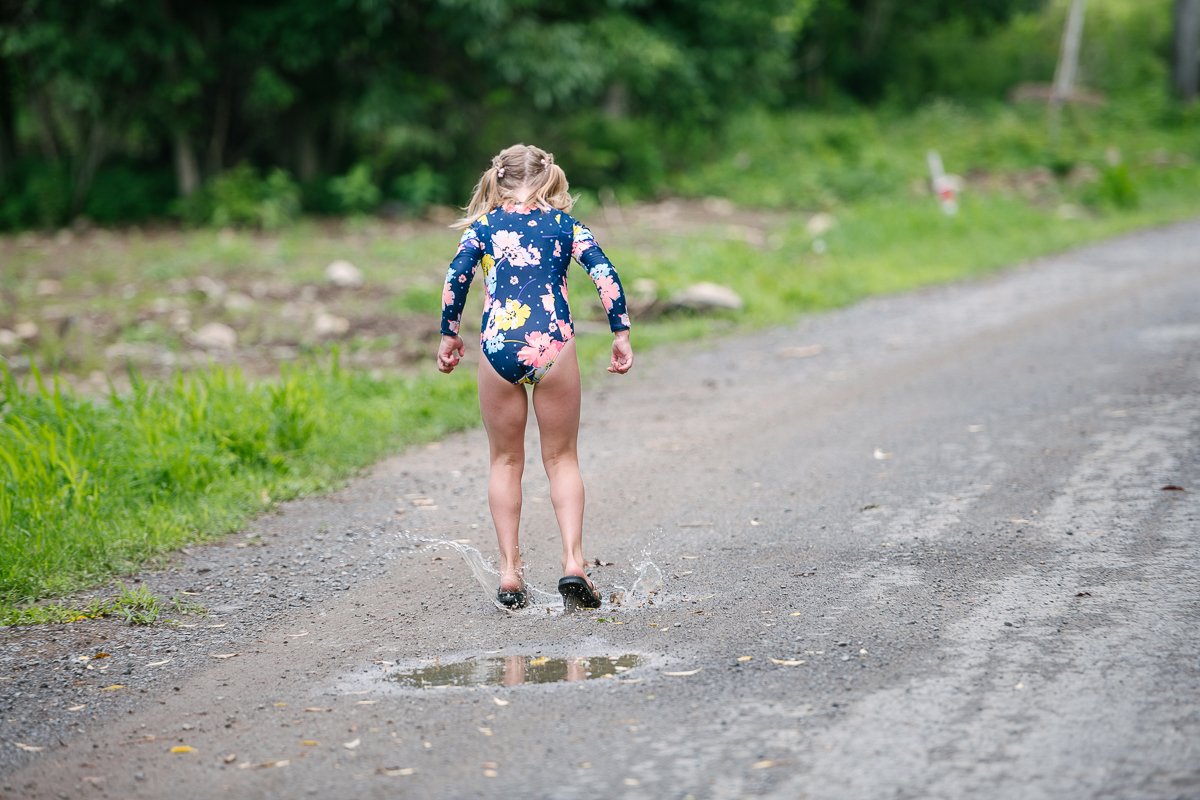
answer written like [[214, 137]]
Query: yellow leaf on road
[[683, 674], [113, 688], [183, 748]]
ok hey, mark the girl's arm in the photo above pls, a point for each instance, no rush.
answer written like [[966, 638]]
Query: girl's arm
[[603, 274], [454, 297], [458, 280]]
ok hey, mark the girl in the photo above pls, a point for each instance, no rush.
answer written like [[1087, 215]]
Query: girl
[[517, 227]]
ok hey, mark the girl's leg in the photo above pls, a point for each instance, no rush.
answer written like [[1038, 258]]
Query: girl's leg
[[505, 408], [556, 404]]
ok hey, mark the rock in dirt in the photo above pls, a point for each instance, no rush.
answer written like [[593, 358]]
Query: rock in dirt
[[327, 324], [344, 275], [706, 296], [215, 336]]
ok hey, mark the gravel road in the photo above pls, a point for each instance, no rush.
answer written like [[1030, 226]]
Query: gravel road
[[917, 548]]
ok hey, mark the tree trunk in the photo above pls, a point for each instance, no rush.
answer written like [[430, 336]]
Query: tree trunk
[[308, 160], [1185, 72], [8, 119], [85, 172], [220, 130], [1068, 60], [187, 171], [46, 129]]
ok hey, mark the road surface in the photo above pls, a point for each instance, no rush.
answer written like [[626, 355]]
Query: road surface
[[922, 547]]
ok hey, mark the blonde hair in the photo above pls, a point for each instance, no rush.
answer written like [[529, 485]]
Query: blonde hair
[[520, 168]]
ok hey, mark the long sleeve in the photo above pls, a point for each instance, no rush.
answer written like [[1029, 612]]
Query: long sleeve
[[601, 271], [458, 279]]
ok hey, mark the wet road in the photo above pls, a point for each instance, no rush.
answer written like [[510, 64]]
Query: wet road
[[919, 548]]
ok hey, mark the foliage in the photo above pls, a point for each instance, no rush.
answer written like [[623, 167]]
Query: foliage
[[243, 198]]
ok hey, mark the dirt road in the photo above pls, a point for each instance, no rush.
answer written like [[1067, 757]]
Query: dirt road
[[919, 548]]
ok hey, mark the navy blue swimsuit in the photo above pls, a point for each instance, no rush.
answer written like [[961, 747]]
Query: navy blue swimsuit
[[525, 253]]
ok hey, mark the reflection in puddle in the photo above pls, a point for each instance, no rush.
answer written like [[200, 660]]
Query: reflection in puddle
[[514, 671]]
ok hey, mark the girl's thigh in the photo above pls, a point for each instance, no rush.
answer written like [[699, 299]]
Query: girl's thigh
[[505, 408], [556, 404]]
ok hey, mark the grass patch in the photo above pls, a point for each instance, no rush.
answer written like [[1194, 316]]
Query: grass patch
[[138, 606], [96, 487]]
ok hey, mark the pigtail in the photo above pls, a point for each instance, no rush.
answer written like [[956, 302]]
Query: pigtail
[[484, 198]]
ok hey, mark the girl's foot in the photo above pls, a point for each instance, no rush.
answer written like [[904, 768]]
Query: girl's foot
[[512, 598], [578, 592]]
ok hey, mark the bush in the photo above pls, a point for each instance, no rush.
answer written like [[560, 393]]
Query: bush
[[243, 198], [35, 194], [355, 192], [123, 193]]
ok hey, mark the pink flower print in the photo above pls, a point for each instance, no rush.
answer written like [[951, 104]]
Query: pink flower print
[[447, 294], [548, 300], [563, 289], [625, 320], [566, 330], [462, 278], [507, 244], [577, 248], [608, 291], [558, 248], [534, 255], [453, 325], [552, 327], [539, 350]]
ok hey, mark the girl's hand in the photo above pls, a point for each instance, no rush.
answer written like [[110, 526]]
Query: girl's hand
[[622, 354], [450, 352]]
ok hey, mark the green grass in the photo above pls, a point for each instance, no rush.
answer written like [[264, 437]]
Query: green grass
[[93, 488], [97, 485]]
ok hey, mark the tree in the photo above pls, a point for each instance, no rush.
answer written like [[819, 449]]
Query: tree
[[1185, 70]]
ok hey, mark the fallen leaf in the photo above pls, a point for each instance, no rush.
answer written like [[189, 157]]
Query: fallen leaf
[[224, 655], [102, 655], [786, 662], [317, 709], [183, 748], [280, 705], [29, 748], [76, 708], [745, 658], [353, 743], [309, 742], [766, 763], [794, 614], [683, 674], [272, 764], [113, 688], [229, 759], [159, 663], [539, 661], [364, 703], [499, 702], [485, 731], [1173, 488], [395, 772]]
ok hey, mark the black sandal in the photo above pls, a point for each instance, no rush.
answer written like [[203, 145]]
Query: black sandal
[[576, 593], [512, 598]]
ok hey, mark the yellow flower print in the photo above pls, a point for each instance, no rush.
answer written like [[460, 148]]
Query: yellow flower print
[[512, 316], [488, 263], [558, 217], [483, 220]]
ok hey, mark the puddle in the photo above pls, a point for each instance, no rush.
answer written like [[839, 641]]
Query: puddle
[[514, 670]]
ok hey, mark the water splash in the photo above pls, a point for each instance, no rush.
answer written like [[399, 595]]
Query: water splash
[[646, 585]]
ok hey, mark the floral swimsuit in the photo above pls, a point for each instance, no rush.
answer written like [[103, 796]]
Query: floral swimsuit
[[525, 252]]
